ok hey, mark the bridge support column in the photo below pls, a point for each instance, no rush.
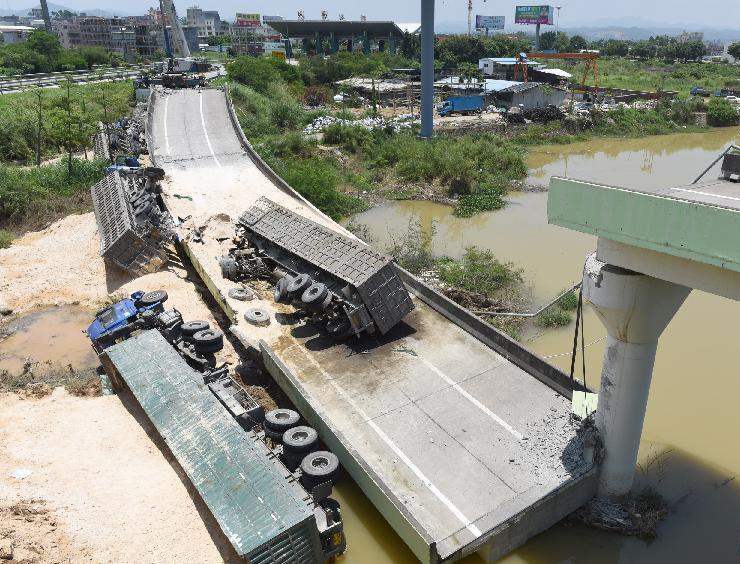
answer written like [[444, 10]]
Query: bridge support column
[[365, 43], [635, 309], [427, 68]]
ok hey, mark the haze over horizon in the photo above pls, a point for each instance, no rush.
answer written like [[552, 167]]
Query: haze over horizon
[[660, 13]]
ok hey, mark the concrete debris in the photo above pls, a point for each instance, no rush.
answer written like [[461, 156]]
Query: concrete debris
[[6, 549], [5, 309], [396, 124], [634, 515], [20, 473]]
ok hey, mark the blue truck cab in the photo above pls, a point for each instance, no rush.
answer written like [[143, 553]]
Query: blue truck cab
[[117, 321], [461, 105]]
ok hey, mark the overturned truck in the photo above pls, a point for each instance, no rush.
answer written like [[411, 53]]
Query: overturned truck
[[133, 223], [339, 281]]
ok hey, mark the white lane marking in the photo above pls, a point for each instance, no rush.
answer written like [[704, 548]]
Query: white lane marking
[[402, 455], [707, 194], [205, 131], [166, 137], [472, 399]]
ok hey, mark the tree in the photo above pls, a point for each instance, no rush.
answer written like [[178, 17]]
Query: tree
[[616, 48], [411, 46], [45, 44], [721, 113], [456, 49], [547, 40], [577, 43], [644, 50], [734, 50]]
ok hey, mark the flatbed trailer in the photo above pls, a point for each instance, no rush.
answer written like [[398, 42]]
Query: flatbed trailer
[[265, 513]]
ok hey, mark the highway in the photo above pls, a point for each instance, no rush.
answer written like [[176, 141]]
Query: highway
[[455, 433]]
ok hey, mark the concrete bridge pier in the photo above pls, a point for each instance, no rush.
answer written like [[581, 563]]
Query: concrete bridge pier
[[635, 309]]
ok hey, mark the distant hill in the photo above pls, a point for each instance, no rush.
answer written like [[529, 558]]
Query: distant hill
[[58, 7], [629, 28]]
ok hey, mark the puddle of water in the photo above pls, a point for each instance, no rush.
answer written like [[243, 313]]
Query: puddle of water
[[693, 396], [48, 336]]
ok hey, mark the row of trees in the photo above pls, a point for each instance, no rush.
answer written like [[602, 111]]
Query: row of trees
[[658, 47], [42, 52]]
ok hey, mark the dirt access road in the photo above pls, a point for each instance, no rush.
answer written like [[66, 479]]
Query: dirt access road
[[100, 488]]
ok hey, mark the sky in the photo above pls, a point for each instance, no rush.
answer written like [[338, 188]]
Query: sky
[[712, 13]]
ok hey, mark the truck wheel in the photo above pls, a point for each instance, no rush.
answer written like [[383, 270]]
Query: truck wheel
[[281, 290], [278, 421], [301, 439], [314, 296], [151, 298], [208, 341], [190, 328], [229, 268], [299, 284], [319, 467]]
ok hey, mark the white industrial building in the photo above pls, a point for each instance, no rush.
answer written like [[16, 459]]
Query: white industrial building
[[14, 33]]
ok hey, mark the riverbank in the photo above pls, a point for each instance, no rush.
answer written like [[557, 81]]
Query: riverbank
[[346, 160]]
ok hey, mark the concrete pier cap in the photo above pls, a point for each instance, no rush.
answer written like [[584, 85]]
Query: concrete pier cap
[[635, 309]]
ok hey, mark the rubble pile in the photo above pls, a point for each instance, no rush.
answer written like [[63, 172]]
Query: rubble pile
[[396, 124]]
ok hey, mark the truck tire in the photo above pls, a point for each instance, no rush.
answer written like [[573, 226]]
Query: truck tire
[[281, 290], [190, 328], [319, 467], [278, 421], [208, 341], [151, 298], [301, 439], [229, 268], [299, 284], [313, 297]]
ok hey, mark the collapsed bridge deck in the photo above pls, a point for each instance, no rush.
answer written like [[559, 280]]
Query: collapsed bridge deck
[[455, 433]]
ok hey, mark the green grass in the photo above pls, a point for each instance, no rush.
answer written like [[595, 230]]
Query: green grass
[[19, 118], [569, 302], [653, 75], [553, 316], [36, 193]]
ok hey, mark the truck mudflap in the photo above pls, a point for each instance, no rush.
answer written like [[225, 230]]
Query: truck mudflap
[[132, 224]]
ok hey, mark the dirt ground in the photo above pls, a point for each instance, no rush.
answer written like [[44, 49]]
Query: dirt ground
[[101, 489], [104, 490]]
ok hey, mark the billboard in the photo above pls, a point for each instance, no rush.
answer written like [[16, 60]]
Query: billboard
[[534, 15], [489, 22], [247, 20]]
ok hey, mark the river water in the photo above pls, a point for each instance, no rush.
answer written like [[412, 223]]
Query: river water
[[690, 449]]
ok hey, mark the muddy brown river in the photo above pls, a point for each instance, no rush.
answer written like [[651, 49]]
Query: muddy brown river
[[690, 449]]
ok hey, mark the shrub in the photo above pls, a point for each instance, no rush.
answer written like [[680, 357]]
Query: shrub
[[413, 251], [553, 317], [485, 199], [317, 180], [6, 239], [260, 73], [721, 113], [292, 144], [317, 95], [479, 271], [350, 137], [21, 188], [569, 301]]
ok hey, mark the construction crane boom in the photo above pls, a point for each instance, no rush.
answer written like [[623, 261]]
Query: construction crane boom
[[177, 43]]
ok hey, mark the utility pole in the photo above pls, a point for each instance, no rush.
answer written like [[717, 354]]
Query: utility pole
[[470, 17], [427, 69]]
